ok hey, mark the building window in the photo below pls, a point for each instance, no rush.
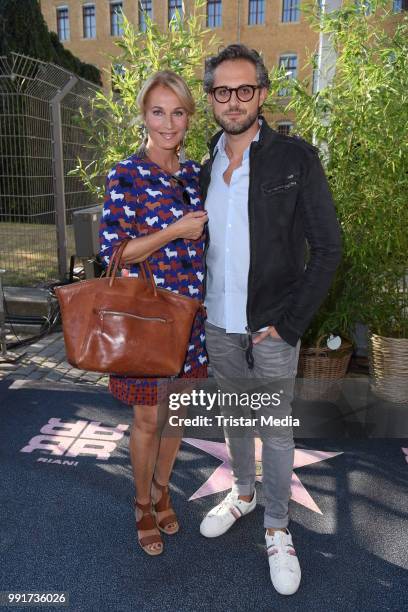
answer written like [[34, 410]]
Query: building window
[[175, 5], [290, 10], [284, 127], [256, 12], [145, 10], [214, 13], [116, 18], [399, 5], [290, 63], [89, 19], [63, 23]]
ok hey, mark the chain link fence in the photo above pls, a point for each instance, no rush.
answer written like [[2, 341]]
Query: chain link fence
[[40, 141]]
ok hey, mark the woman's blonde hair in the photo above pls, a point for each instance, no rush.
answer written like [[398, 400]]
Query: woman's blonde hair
[[173, 81]]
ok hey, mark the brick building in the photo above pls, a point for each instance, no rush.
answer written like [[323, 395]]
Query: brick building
[[277, 28]]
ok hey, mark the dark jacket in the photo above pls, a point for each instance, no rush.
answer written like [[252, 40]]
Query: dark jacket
[[289, 203]]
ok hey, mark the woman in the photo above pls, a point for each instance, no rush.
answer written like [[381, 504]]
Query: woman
[[153, 198]]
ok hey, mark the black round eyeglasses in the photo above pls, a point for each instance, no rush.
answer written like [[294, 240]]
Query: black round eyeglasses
[[244, 93]]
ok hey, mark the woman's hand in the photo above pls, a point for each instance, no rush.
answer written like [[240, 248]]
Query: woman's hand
[[191, 225]]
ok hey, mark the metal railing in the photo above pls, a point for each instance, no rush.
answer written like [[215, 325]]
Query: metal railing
[[40, 141]]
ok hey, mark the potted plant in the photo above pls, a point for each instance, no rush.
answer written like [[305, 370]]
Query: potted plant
[[388, 340], [326, 348], [360, 122]]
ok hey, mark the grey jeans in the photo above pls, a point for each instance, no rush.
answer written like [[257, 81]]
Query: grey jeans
[[274, 359]]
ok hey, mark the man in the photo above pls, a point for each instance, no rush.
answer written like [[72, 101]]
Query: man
[[266, 196]]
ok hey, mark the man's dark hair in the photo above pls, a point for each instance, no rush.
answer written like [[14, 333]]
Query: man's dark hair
[[235, 52]]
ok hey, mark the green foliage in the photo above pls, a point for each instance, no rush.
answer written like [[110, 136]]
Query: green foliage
[[115, 130], [66, 59], [24, 30], [361, 123]]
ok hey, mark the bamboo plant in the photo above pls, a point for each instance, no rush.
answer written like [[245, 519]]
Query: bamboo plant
[[115, 130], [360, 122]]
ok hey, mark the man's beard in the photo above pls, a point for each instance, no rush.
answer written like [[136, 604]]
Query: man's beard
[[233, 127]]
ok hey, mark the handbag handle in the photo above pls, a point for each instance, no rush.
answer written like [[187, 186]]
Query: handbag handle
[[115, 262], [143, 265], [112, 260]]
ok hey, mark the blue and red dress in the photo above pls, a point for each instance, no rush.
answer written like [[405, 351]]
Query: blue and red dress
[[141, 199]]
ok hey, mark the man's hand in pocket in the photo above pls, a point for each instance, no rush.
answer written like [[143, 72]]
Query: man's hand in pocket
[[271, 331]]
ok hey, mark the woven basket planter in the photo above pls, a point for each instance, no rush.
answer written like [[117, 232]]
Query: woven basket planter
[[320, 368], [388, 363]]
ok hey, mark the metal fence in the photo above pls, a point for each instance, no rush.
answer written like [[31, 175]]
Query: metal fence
[[40, 141]]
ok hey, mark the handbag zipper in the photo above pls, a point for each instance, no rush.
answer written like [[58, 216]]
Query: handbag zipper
[[128, 314]]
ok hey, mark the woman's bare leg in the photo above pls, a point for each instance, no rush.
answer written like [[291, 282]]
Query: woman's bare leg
[[168, 449], [153, 453], [144, 446]]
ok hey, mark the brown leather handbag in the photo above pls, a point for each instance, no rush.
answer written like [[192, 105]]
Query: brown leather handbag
[[126, 325]]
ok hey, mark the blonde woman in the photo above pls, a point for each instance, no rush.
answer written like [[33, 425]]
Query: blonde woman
[[152, 197]]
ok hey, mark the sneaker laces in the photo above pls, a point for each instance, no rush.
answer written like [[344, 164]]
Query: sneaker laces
[[227, 501]]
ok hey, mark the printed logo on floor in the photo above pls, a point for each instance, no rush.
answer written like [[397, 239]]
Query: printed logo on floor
[[73, 439]]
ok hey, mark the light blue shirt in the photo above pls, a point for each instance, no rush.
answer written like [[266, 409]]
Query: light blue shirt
[[228, 251]]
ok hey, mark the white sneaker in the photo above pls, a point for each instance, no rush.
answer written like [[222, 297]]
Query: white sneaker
[[223, 516], [283, 562]]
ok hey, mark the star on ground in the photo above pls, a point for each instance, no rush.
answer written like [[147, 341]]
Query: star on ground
[[221, 478]]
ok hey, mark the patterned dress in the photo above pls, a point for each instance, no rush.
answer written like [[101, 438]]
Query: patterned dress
[[141, 199]]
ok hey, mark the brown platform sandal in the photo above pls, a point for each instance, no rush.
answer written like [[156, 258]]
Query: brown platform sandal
[[163, 505], [147, 523]]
